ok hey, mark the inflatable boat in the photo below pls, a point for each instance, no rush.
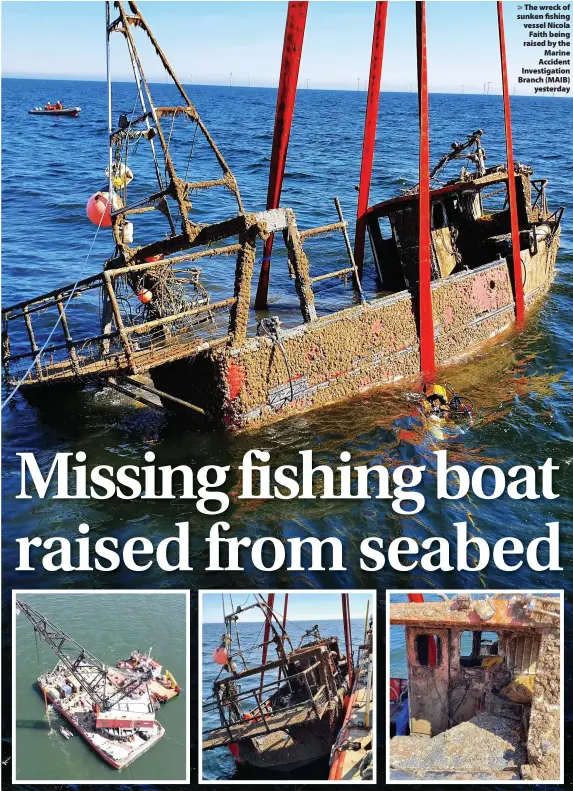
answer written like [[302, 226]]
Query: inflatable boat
[[73, 111]]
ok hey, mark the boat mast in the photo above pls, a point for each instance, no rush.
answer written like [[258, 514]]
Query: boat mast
[[347, 637]]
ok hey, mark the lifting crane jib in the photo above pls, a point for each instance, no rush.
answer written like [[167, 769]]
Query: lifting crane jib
[[89, 671]]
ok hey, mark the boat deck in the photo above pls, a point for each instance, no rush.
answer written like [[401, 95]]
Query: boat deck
[[486, 747], [162, 692], [272, 722], [118, 753]]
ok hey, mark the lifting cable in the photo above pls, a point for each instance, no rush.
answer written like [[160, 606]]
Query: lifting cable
[[38, 354]]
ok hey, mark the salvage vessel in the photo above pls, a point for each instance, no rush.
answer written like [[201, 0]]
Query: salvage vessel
[[113, 709], [161, 333], [285, 713], [482, 700]]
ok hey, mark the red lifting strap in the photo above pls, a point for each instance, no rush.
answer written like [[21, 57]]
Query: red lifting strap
[[370, 124], [426, 320], [515, 245], [292, 51]]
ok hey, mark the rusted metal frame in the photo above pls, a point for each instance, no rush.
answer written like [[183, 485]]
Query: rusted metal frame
[[33, 344], [258, 699], [309, 692], [300, 266], [185, 350], [340, 273], [232, 182], [137, 67], [323, 229], [223, 717], [162, 394], [268, 616], [355, 273], [56, 347], [119, 321], [136, 210], [239, 316], [370, 123], [515, 242], [67, 334], [290, 64], [425, 310], [140, 204], [234, 226], [83, 285], [204, 185], [540, 185], [139, 329], [230, 249]]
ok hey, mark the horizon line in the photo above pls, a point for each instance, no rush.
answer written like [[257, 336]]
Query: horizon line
[[451, 91]]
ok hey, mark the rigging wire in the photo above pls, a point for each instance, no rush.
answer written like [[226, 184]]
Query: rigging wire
[[38, 355]]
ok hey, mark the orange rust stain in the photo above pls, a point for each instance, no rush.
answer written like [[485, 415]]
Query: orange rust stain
[[236, 378]]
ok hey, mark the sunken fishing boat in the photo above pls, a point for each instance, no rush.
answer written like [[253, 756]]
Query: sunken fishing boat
[[112, 708], [482, 697], [160, 330], [285, 713]]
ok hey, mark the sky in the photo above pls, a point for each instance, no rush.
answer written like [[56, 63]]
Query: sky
[[311, 606], [206, 42]]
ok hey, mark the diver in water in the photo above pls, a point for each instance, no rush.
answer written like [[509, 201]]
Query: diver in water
[[440, 401]]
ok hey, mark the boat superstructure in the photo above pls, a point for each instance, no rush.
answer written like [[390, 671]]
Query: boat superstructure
[[194, 340], [482, 697], [281, 714], [112, 708]]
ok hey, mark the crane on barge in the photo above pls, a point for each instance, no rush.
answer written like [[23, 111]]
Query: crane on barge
[[91, 672]]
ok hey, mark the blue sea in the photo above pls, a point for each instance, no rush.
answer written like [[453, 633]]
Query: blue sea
[[521, 390]]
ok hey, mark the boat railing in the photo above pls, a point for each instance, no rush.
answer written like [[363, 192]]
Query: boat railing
[[46, 339], [129, 342], [264, 715]]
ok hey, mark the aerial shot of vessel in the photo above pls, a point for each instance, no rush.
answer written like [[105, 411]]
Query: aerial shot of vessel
[[160, 337], [314, 701], [113, 708], [481, 700]]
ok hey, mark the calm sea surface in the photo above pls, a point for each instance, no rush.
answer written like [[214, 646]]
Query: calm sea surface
[[521, 390], [110, 626]]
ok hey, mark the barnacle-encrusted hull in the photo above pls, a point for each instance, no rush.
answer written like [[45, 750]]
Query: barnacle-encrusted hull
[[335, 357]]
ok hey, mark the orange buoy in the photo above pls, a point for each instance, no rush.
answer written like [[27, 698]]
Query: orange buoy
[[220, 655], [97, 208], [145, 296], [150, 259]]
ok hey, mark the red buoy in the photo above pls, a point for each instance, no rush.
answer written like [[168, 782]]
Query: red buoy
[[220, 655], [145, 296], [98, 211], [150, 259]]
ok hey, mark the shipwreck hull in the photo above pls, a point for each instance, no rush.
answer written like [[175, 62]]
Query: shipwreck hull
[[286, 751], [335, 357]]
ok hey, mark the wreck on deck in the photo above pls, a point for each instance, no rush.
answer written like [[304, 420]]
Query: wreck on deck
[[286, 713], [482, 700], [162, 334]]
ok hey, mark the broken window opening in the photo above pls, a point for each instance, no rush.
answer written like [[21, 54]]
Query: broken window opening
[[428, 650], [475, 646]]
